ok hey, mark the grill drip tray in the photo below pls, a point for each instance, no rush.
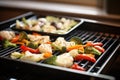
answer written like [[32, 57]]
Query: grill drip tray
[[88, 31]]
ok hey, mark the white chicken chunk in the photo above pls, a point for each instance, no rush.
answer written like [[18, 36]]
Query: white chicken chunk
[[44, 48], [7, 34], [64, 60], [32, 57], [40, 39]]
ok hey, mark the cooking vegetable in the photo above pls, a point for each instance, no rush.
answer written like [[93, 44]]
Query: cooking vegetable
[[98, 44], [85, 57], [49, 24], [64, 60], [51, 60], [79, 47], [90, 43], [61, 44], [7, 34], [22, 35], [74, 52], [25, 21], [76, 39], [92, 50], [15, 39], [77, 67], [7, 43], [32, 57], [16, 55], [99, 48], [32, 45], [47, 55], [45, 48], [25, 48]]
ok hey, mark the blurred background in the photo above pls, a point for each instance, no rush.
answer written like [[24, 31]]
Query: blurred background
[[103, 10]]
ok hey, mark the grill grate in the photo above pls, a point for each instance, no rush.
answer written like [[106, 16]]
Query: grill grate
[[110, 42]]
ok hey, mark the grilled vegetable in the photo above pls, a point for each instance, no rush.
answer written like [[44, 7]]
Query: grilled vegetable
[[51, 60], [61, 44], [77, 40], [25, 21], [98, 44], [92, 50], [16, 55], [63, 60], [90, 43], [77, 67], [7, 43], [23, 35], [45, 48], [99, 48], [25, 48], [7, 34], [74, 52], [85, 57], [79, 47], [32, 45], [32, 57], [47, 55], [49, 24], [15, 39]]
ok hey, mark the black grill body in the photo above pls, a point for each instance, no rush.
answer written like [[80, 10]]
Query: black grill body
[[87, 31]]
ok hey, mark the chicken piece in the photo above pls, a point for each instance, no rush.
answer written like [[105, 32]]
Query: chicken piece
[[45, 48], [7, 34], [32, 57], [64, 60], [39, 39]]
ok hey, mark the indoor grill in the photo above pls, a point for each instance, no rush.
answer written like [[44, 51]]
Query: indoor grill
[[87, 31]]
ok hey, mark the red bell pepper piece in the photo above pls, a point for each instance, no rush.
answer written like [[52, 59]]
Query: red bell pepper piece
[[77, 67], [99, 48], [15, 39], [98, 44], [90, 43], [25, 48], [85, 57]]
